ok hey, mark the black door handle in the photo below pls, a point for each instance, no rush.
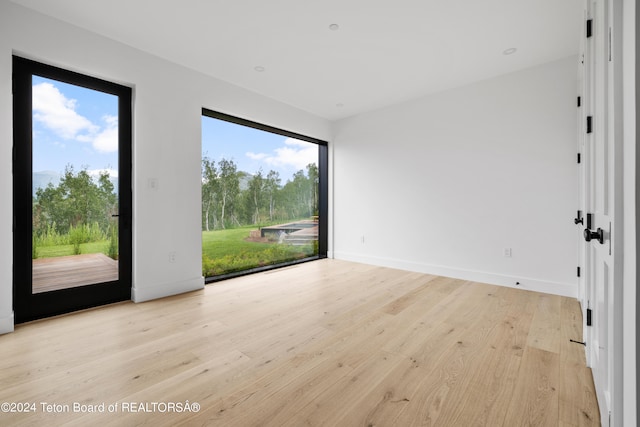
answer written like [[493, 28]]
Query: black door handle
[[591, 235]]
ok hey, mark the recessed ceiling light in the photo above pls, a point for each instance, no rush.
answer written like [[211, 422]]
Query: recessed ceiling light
[[339, 105], [334, 27], [259, 69], [509, 51]]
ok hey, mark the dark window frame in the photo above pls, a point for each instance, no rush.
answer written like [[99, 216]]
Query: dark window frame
[[323, 191], [29, 306]]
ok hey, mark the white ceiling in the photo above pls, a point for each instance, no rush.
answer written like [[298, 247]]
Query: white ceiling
[[384, 52]]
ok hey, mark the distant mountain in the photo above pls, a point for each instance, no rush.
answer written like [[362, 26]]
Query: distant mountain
[[43, 178]]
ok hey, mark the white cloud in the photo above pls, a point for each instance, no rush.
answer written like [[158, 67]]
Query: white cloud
[[58, 114], [107, 140], [256, 156], [297, 142], [55, 111], [297, 154]]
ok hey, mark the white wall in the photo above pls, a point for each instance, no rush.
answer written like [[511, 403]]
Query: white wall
[[489, 167], [444, 183], [631, 17], [167, 108]]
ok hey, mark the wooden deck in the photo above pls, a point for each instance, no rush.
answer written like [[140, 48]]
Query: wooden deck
[[325, 343], [50, 274], [297, 233], [304, 226]]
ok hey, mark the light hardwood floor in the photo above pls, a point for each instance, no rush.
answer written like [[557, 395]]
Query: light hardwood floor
[[326, 343]]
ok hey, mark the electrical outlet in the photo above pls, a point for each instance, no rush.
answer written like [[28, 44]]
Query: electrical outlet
[[507, 252], [172, 257], [152, 184]]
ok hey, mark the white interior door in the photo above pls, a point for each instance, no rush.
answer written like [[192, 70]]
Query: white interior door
[[598, 139]]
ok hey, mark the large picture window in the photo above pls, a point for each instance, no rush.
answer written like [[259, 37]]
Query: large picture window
[[264, 197]]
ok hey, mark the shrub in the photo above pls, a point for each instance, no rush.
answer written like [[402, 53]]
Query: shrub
[[274, 254], [51, 237], [77, 237], [82, 233], [34, 249], [113, 242]]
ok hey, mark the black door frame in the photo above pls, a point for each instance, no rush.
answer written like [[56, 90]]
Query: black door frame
[[29, 306]]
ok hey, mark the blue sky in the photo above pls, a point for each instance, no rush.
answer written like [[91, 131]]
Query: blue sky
[[73, 125], [79, 126], [252, 149]]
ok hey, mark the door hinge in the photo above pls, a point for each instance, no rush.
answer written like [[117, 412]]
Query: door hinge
[[589, 314], [578, 272], [579, 101], [589, 27], [589, 120], [579, 158]]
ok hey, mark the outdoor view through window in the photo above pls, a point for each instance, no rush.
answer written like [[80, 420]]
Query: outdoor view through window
[[259, 198], [75, 186]]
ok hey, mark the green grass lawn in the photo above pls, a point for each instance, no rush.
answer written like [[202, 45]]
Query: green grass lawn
[[218, 243], [63, 250], [223, 251], [228, 251]]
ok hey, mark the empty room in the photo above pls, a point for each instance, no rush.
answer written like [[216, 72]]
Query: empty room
[[324, 213]]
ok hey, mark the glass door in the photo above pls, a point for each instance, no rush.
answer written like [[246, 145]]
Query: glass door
[[72, 197]]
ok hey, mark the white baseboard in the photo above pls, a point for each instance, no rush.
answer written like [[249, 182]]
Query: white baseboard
[[6, 324], [164, 290], [526, 283]]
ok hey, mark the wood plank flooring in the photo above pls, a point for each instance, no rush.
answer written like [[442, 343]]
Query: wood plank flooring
[[50, 274], [326, 343]]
